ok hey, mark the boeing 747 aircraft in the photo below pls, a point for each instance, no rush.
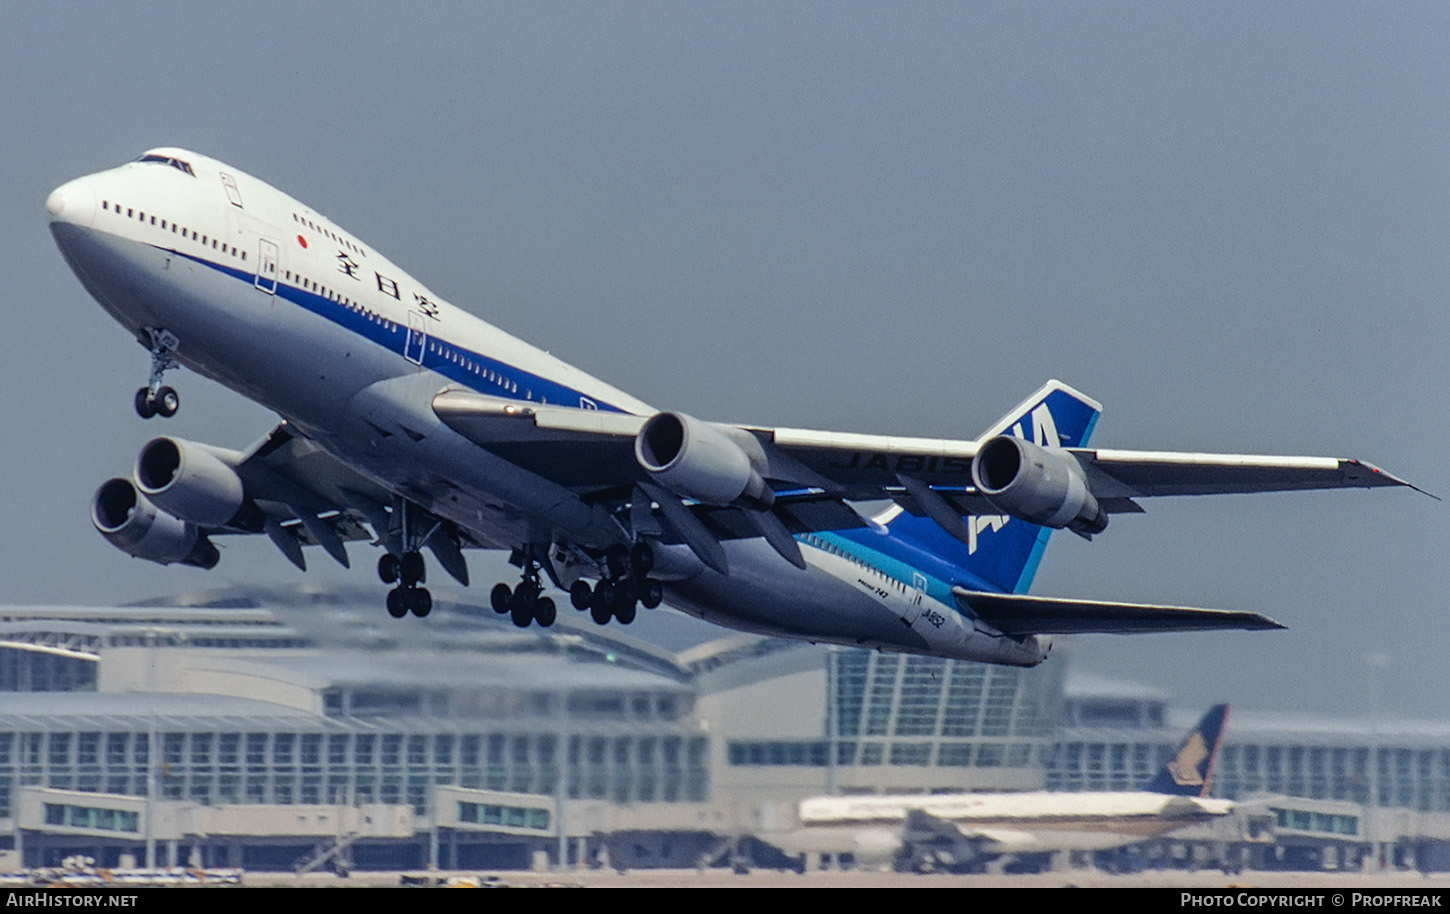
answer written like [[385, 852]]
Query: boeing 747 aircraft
[[412, 424], [966, 831]]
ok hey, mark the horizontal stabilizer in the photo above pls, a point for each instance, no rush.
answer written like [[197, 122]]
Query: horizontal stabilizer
[[1019, 614]]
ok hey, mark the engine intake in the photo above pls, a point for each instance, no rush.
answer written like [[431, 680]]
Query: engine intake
[[701, 460], [131, 523], [1040, 485], [189, 480]]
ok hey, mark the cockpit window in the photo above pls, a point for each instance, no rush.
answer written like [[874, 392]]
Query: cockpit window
[[168, 160]]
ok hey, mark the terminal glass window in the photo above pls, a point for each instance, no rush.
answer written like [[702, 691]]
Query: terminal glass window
[[228, 747], [256, 751]]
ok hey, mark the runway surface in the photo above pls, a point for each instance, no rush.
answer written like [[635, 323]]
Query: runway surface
[[718, 879]]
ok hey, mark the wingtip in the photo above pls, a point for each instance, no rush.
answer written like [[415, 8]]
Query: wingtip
[[1393, 480], [1262, 623]]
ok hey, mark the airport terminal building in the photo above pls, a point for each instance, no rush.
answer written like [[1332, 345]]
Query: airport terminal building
[[292, 729]]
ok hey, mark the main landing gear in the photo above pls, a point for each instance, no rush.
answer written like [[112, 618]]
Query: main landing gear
[[524, 603], [407, 571], [626, 585], [156, 399], [403, 563]]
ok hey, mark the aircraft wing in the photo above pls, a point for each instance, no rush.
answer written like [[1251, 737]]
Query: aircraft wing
[[586, 449], [287, 487], [593, 453], [803, 481], [1137, 474], [1020, 614]]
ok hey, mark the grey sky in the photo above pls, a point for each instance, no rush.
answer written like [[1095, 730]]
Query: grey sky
[[1228, 222]]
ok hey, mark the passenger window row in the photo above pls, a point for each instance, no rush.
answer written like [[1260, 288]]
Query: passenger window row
[[216, 244], [333, 295], [820, 543], [329, 233], [455, 355]]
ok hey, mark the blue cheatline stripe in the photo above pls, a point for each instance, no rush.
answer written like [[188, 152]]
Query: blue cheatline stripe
[[393, 337], [1087, 432], [902, 560], [1029, 570]]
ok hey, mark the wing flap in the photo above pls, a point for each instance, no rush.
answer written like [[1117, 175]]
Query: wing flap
[[1020, 614]]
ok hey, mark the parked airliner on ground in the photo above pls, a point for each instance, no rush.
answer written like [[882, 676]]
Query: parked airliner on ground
[[410, 423], [966, 831]]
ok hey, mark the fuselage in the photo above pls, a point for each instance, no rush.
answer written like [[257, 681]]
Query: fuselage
[[272, 299], [1011, 822]]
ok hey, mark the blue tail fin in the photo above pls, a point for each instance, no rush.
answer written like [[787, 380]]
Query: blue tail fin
[[1189, 772], [1002, 552]]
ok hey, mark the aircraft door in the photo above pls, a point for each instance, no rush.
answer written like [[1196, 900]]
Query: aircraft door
[[266, 266], [417, 339], [914, 598]]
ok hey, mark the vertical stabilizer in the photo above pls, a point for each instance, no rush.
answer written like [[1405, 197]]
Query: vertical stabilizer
[[1189, 772], [1002, 552]]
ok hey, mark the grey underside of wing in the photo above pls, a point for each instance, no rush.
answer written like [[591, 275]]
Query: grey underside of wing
[[1019, 614], [592, 453], [291, 476]]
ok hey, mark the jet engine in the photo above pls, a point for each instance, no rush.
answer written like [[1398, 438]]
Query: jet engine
[[189, 481], [138, 528], [701, 460], [1040, 485]]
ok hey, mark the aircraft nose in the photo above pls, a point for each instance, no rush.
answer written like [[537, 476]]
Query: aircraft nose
[[73, 202]]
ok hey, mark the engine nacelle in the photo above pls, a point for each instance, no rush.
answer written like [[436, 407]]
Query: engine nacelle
[[1040, 485], [188, 480], [700, 460], [138, 528]]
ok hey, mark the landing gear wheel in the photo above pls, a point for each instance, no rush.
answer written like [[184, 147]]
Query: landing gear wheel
[[651, 594], [397, 603], [527, 591], [388, 568], [499, 597], [166, 402], [625, 612], [420, 601], [580, 593], [604, 593], [144, 409], [601, 605], [521, 612], [412, 569], [600, 612], [544, 612]]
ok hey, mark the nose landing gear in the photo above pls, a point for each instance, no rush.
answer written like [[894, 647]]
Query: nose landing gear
[[157, 399]]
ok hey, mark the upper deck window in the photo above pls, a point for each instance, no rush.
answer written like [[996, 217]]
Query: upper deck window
[[168, 160]]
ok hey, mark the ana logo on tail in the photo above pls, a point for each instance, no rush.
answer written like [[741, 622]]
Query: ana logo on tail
[[983, 523], [1044, 428]]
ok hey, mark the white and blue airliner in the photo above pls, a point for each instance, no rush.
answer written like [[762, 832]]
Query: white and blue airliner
[[411, 424]]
